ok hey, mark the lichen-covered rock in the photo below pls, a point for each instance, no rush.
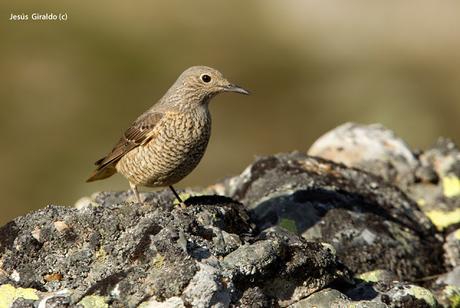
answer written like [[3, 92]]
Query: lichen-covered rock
[[292, 231], [440, 200], [430, 177], [334, 298], [393, 294], [371, 223], [109, 252], [452, 249], [448, 295], [373, 148]]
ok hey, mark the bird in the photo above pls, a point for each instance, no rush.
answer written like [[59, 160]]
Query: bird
[[165, 143]]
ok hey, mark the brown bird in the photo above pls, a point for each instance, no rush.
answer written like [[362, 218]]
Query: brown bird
[[167, 142]]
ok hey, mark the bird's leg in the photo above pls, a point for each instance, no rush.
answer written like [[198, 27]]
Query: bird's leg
[[182, 204], [135, 192]]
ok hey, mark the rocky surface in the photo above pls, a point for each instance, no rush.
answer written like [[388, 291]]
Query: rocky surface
[[291, 231], [370, 223], [204, 255]]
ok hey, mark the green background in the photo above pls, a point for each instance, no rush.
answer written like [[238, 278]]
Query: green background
[[69, 89]]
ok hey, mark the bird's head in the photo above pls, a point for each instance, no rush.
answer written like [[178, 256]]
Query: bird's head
[[198, 84]]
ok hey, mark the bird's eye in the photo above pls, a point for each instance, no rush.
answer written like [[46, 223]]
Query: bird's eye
[[206, 78]]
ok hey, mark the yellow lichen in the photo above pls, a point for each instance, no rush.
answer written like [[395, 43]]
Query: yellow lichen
[[183, 197], [453, 295], [443, 219], [93, 301], [8, 294], [372, 276], [101, 255], [451, 186], [457, 234], [421, 202], [425, 294], [158, 261]]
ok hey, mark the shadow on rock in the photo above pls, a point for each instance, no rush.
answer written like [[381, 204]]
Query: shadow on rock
[[371, 223]]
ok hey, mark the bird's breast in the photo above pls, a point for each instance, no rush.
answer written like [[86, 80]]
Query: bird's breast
[[178, 144]]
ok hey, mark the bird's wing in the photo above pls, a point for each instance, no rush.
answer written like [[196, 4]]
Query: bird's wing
[[140, 132]]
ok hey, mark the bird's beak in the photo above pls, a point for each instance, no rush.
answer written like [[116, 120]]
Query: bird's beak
[[236, 89]]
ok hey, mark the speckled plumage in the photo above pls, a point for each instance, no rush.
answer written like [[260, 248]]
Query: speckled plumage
[[179, 145], [167, 142]]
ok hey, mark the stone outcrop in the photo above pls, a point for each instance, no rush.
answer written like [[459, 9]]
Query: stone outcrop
[[293, 230]]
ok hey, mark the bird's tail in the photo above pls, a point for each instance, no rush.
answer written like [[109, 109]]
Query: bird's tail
[[102, 173]]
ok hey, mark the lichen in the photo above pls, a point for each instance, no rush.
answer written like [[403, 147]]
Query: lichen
[[457, 234], [421, 202], [8, 294], [158, 261], [101, 255], [443, 219], [453, 295], [451, 186], [372, 276], [93, 301], [424, 294]]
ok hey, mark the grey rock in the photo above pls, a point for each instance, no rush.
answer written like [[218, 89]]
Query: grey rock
[[206, 289], [430, 177], [334, 298], [323, 298], [293, 232], [370, 223], [452, 249], [114, 253], [373, 148], [394, 294], [450, 278], [253, 259]]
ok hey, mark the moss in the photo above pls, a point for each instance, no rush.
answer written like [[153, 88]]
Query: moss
[[8, 294], [288, 224], [93, 301], [451, 186], [443, 219]]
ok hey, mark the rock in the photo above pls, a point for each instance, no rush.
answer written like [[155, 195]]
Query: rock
[[114, 253], [410, 296], [452, 249], [370, 223], [373, 148], [291, 231], [323, 298], [431, 177], [450, 278], [21, 296], [440, 201], [206, 289], [448, 296], [394, 294], [334, 298], [380, 276]]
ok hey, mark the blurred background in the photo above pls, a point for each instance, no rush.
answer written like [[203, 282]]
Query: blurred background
[[69, 89]]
